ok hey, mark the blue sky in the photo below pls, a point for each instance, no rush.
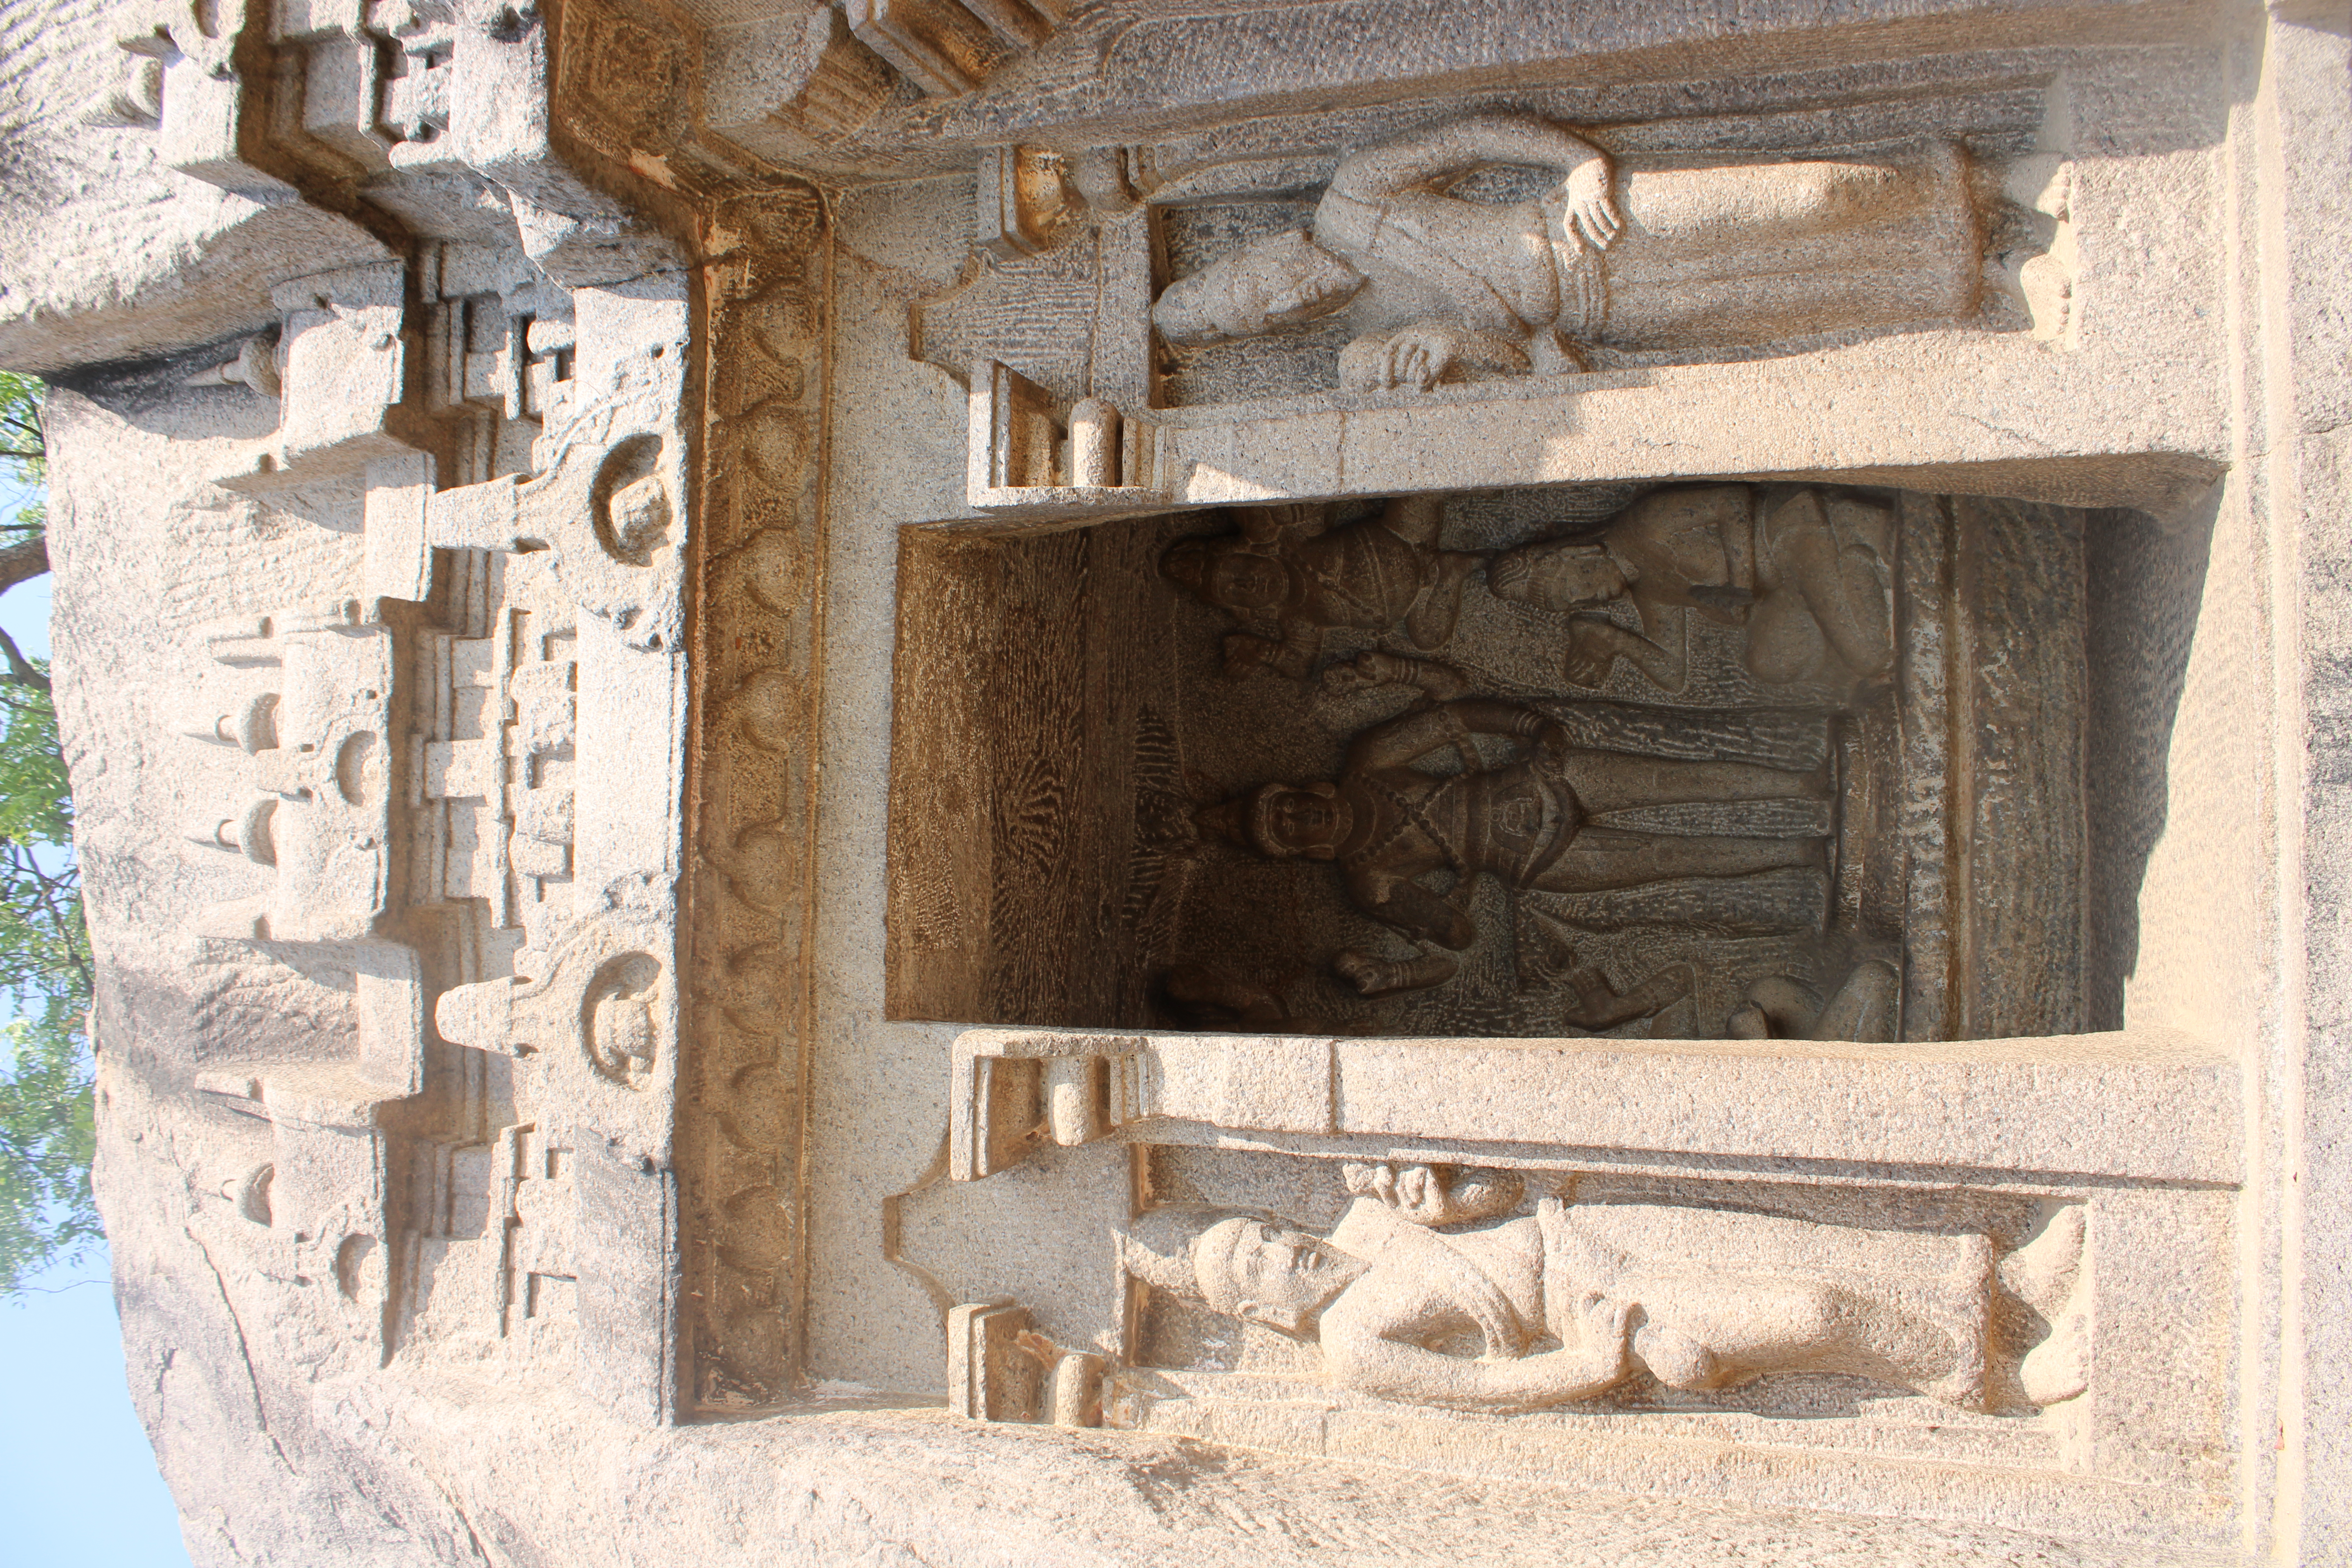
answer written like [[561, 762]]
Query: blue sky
[[78, 1482]]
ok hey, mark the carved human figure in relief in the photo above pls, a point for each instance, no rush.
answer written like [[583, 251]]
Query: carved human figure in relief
[[1285, 568], [1721, 257], [1507, 1314], [1388, 823], [1810, 582]]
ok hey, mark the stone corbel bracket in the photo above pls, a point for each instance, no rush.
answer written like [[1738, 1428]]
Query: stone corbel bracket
[[341, 362], [1032, 460], [998, 1369], [1015, 1088], [181, 81], [611, 506], [950, 47]]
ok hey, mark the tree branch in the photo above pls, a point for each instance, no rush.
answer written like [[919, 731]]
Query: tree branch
[[20, 669], [23, 561]]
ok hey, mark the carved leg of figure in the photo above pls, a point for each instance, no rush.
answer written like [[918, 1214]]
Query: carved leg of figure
[[1781, 1007], [1778, 1008], [1730, 1328], [1385, 977], [1752, 253], [1430, 622], [2046, 1274], [1821, 564], [1612, 860], [1610, 781], [1865, 1008], [1598, 1007]]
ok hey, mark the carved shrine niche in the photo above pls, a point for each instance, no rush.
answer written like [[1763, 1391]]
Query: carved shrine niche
[[1747, 1299], [1121, 297], [1687, 761]]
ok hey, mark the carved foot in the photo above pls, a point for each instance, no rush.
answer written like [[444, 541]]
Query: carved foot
[[1385, 977], [2046, 1274], [1598, 1007]]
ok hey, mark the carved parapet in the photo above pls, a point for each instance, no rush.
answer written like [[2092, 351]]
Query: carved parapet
[[297, 1182], [1024, 204], [308, 698]]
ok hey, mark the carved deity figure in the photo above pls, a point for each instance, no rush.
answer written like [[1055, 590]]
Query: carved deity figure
[[1284, 567], [1706, 259], [1530, 823], [1810, 582], [1422, 1294]]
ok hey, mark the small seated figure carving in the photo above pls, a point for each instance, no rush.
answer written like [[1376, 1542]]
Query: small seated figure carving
[[1811, 582], [1388, 823], [1541, 1309], [1369, 575], [1733, 256]]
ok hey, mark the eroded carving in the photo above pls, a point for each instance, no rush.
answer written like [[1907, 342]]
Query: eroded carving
[[1291, 566], [1809, 581]]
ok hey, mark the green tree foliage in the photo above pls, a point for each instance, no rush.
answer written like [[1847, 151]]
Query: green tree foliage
[[46, 1215]]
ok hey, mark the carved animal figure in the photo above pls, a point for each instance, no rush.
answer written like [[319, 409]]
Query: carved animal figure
[[1718, 258]]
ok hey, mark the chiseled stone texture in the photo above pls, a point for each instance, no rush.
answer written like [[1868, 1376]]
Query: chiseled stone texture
[[104, 253]]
